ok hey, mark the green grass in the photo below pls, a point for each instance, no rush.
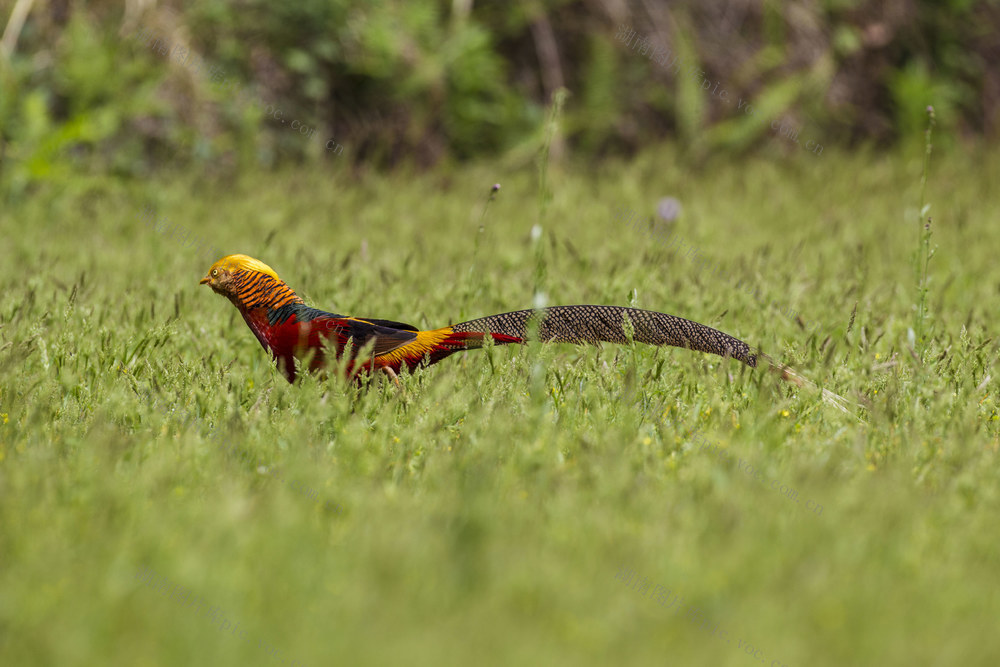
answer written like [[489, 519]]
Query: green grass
[[484, 514]]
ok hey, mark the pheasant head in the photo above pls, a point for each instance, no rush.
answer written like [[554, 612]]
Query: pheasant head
[[248, 283]]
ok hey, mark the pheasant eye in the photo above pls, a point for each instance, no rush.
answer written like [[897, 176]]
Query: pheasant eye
[[215, 272]]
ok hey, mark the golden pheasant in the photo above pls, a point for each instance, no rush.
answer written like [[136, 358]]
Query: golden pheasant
[[290, 330]]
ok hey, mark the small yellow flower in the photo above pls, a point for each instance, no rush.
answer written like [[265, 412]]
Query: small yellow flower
[[395, 439], [646, 440], [784, 413], [5, 420], [871, 466], [878, 356]]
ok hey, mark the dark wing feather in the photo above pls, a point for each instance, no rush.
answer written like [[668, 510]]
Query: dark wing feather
[[387, 339], [390, 323]]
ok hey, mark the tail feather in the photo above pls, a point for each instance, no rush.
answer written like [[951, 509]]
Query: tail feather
[[789, 374], [597, 324]]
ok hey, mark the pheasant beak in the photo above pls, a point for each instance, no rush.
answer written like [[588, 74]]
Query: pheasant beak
[[204, 281]]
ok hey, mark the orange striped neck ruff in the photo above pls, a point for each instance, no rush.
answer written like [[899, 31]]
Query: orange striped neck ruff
[[253, 289]]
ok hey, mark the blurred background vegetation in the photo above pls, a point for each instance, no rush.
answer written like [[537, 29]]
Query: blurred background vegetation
[[85, 91]]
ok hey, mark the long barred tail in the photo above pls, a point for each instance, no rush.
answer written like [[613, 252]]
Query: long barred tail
[[596, 324]]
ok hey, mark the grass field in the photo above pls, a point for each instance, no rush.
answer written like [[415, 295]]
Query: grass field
[[169, 499]]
